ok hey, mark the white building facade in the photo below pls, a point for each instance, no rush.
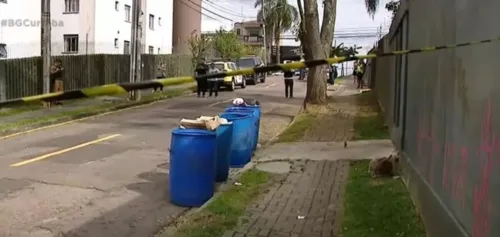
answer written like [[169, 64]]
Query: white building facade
[[84, 27]]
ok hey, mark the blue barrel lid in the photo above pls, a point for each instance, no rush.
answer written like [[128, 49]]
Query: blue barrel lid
[[241, 108], [234, 115], [193, 132]]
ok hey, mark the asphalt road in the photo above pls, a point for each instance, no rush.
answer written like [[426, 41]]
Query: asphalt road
[[107, 176]]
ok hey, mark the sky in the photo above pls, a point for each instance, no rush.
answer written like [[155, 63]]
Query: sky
[[353, 25]]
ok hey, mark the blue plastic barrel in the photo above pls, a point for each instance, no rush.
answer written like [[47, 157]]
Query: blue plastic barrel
[[241, 147], [255, 109], [192, 166], [224, 136]]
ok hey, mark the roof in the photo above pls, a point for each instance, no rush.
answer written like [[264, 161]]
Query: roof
[[253, 23]]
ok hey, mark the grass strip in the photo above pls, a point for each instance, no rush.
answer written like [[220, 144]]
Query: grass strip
[[369, 122], [33, 106], [223, 212], [88, 111], [296, 131], [378, 207]]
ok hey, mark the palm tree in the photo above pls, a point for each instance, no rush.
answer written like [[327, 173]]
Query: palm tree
[[371, 7], [279, 17]]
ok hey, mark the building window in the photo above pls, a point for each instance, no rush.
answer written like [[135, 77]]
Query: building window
[[71, 6], [3, 50], [254, 32], [116, 43], [126, 47], [117, 6], [151, 50], [70, 43], [151, 22], [159, 21], [238, 31], [127, 13]]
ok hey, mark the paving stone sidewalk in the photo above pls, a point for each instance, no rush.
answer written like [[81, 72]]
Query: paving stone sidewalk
[[307, 203]]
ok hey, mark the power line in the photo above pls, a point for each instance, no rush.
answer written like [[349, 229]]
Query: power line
[[223, 17], [223, 9], [185, 4]]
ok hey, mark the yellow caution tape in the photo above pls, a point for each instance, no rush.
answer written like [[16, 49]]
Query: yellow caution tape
[[112, 89]]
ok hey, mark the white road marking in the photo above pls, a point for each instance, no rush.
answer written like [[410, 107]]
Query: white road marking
[[274, 84]]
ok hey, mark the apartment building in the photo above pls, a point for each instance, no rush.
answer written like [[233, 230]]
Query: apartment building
[[84, 27], [250, 32]]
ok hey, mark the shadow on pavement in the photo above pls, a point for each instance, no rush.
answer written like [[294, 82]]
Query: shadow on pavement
[[141, 217]]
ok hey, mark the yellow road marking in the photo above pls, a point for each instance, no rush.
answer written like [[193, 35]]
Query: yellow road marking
[[274, 84], [43, 157]]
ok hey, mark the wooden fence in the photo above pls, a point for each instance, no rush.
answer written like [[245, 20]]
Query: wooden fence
[[23, 77]]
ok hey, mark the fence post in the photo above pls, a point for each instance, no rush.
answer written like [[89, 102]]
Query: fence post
[[3, 81], [178, 66]]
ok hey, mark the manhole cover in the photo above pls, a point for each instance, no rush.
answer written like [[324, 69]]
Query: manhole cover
[[279, 167]]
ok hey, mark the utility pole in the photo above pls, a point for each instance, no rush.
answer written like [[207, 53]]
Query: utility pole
[[380, 32], [45, 44], [135, 47], [264, 29], [139, 44]]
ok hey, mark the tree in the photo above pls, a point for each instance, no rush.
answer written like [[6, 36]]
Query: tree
[[227, 44], [392, 6], [279, 16], [343, 51], [198, 46], [372, 6], [317, 44]]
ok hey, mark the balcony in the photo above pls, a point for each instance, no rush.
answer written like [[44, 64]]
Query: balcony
[[253, 40]]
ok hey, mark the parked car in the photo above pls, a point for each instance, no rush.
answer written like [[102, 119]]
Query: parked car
[[250, 62], [230, 82]]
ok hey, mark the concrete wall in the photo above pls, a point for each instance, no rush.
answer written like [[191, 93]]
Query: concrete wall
[[442, 108], [187, 21]]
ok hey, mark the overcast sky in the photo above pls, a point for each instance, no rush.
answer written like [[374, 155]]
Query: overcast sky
[[352, 19]]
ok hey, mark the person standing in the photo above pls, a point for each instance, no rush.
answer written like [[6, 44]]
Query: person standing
[[288, 83], [360, 71], [354, 70], [56, 75], [201, 84], [302, 74], [213, 83]]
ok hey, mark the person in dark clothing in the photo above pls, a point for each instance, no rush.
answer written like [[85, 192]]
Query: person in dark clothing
[[360, 71], [213, 83], [56, 74], [288, 83], [332, 75], [201, 84]]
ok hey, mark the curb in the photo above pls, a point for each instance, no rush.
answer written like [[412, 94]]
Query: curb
[[222, 187], [284, 129]]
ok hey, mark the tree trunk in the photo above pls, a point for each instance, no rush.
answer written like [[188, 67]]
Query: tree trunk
[[302, 31], [269, 42], [328, 25], [277, 39], [316, 78]]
